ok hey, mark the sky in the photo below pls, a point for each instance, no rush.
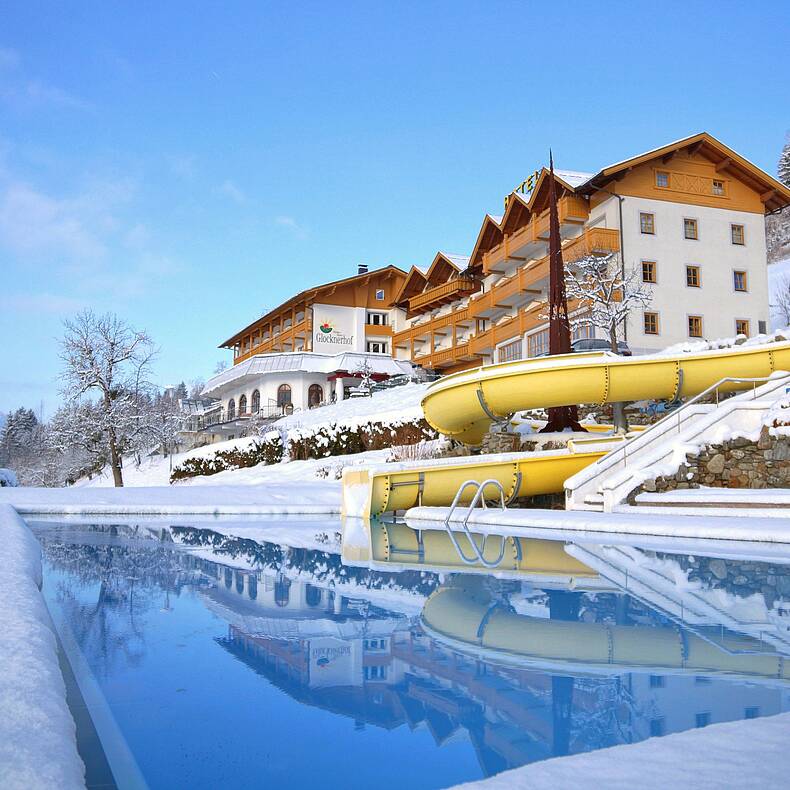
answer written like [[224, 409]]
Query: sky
[[190, 165]]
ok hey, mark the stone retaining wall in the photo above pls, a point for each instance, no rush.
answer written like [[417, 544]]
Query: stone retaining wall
[[737, 463]]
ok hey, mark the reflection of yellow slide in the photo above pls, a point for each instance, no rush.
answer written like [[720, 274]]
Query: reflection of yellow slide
[[462, 406], [456, 405], [465, 614]]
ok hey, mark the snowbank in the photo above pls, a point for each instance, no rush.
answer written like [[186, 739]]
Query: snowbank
[[749, 753], [38, 747], [318, 497], [8, 478]]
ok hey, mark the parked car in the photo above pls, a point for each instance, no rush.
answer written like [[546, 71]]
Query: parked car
[[599, 344]]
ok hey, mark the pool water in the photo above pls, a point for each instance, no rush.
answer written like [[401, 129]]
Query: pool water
[[227, 661]]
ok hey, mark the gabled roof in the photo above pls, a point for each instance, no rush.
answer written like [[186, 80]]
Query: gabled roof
[[442, 268], [489, 236], [773, 193], [310, 294]]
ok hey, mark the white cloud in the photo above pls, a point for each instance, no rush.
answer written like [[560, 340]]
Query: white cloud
[[41, 303], [229, 190], [284, 221]]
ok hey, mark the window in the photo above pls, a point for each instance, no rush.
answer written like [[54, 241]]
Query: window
[[662, 179], [701, 680], [375, 673], [510, 351], [376, 347], [284, 395], [695, 326], [657, 727], [737, 235], [651, 323], [718, 186], [762, 327], [538, 344], [693, 279], [256, 401], [657, 682], [377, 319], [647, 222], [231, 409], [649, 272], [690, 229], [702, 719], [742, 326], [315, 396], [380, 295], [582, 332], [739, 282], [242, 405], [751, 713]]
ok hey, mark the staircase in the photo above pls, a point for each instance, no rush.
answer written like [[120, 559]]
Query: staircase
[[662, 447]]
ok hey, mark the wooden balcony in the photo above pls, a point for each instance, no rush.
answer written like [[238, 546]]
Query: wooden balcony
[[277, 342], [378, 330], [443, 294], [572, 210]]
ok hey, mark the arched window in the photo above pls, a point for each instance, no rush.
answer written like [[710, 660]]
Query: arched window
[[243, 405], [315, 395], [239, 583], [284, 395], [256, 401], [282, 590], [231, 409], [312, 595], [252, 588]]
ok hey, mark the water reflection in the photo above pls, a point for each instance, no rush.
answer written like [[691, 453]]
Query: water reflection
[[580, 647]]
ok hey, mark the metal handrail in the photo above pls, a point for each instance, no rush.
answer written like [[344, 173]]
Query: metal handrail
[[478, 558], [612, 458]]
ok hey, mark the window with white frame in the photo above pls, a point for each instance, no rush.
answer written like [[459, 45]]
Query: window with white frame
[[377, 346], [377, 319], [510, 351], [538, 343]]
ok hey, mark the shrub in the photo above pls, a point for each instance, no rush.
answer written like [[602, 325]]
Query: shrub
[[267, 451]]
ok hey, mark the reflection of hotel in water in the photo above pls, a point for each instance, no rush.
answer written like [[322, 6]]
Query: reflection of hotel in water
[[378, 667]]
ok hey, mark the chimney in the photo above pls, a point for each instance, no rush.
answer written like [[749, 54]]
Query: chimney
[[362, 268]]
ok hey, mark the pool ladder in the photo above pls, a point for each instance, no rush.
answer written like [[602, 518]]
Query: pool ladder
[[478, 498]]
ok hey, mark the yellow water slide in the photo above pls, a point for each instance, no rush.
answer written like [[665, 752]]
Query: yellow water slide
[[461, 405], [464, 405], [465, 614]]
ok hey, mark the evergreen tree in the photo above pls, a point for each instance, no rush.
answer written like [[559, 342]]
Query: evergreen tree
[[783, 166]]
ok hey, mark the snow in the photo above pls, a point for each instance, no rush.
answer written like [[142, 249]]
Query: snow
[[307, 362], [8, 478], [724, 496], [573, 178], [727, 524], [38, 747], [748, 753], [318, 496]]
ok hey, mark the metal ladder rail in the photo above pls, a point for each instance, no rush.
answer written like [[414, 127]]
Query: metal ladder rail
[[478, 558]]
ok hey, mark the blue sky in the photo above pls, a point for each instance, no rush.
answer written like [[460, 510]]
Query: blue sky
[[188, 165]]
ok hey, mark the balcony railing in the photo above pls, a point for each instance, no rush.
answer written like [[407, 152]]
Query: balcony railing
[[446, 292]]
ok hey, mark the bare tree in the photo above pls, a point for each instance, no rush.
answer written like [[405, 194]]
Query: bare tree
[[106, 366], [606, 295], [780, 306]]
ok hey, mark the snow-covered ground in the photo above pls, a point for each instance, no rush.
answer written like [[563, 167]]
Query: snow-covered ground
[[391, 406], [38, 747], [749, 753]]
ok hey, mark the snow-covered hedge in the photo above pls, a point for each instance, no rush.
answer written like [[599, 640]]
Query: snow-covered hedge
[[324, 441], [267, 450]]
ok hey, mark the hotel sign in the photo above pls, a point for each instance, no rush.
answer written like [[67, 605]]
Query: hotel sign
[[335, 329], [526, 186]]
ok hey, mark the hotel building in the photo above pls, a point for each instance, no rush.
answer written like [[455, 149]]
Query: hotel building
[[689, 217], [307, 351]]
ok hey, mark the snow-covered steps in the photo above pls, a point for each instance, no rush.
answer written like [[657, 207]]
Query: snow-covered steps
[[662, 448]]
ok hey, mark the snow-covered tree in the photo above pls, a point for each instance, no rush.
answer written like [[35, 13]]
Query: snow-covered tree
[[365, 372], [606, 294], [783, 166], [105, 376], [780, 306]]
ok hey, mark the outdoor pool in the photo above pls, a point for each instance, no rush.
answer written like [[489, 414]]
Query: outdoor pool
[[211, 660]]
